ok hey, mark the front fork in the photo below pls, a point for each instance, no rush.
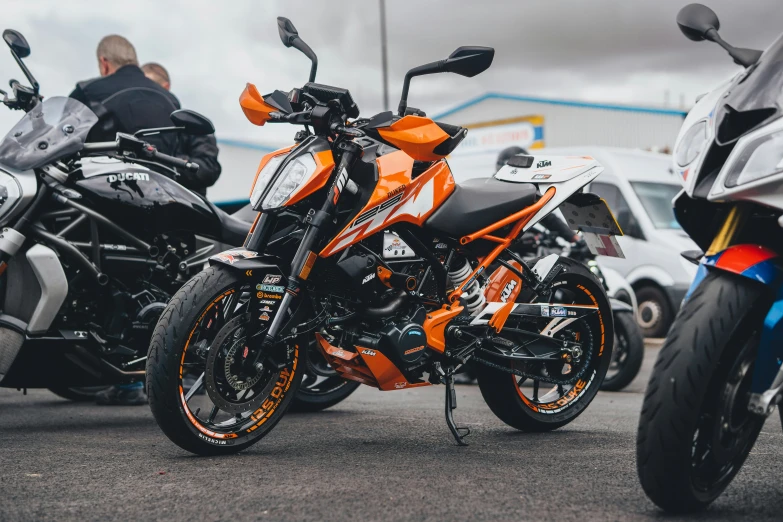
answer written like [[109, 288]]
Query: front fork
[[761, 265], [305, 257]]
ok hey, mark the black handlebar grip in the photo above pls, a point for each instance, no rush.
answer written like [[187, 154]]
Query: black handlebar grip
[[175, 162], [100, 146]]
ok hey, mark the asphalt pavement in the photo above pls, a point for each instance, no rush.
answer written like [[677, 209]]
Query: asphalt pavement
[[377, 456]]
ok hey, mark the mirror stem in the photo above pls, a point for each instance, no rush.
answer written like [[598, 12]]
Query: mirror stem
[[428, 68], [27, 73], [300, 44]]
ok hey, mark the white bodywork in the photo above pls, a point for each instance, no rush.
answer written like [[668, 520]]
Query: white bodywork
[[567, 174], [656, 256]]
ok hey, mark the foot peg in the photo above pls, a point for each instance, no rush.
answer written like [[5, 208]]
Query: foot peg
[[458, 432]]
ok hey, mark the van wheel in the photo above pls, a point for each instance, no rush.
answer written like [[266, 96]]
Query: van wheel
[[655, 312]]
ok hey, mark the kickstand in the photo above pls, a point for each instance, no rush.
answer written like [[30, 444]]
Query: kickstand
[[451, 404]]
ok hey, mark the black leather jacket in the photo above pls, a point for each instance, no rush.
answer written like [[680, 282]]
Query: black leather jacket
[[128, 101]]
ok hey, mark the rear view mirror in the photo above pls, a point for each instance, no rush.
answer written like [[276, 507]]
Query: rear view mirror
[[465, 61], [469, 61], [17, 43], [192, 122], [696, 20], [287, 31], [290, 38]]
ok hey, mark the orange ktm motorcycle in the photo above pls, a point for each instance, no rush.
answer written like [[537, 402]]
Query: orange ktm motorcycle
[[368, 251]]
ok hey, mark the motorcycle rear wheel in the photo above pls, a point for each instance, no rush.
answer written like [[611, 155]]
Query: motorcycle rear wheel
[[556, 405], [201, 334], [695, 431], [627, 353]]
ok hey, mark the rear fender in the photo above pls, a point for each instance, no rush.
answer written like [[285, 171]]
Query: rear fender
[[620, 306], [762, 265]]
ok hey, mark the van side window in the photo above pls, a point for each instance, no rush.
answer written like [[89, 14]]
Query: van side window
[[619, 207]]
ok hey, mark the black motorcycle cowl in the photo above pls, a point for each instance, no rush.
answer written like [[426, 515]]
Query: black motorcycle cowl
[[146, 202]]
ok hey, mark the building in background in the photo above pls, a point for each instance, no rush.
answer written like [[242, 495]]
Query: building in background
[[496, 121], [563, 123]]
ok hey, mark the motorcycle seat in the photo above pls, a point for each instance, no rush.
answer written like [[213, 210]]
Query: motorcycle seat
[[233, 231], [479, 202]]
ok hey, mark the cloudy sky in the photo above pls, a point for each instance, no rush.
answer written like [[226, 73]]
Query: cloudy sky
[[616, 51]]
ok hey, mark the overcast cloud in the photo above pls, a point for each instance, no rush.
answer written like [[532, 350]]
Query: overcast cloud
[[615, 51]]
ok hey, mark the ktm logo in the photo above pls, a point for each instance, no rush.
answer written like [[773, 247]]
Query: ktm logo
[[507, 290], [544, 163]]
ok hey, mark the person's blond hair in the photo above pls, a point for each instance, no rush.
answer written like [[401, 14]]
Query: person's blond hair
[[156, 72], [117, 50]]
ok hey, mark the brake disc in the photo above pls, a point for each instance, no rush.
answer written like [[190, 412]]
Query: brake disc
[[229, 387]]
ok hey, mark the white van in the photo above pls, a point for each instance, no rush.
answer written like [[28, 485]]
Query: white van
[[639, 187]]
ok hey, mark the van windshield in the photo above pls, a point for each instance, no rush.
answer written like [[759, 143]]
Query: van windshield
[[657, 199]]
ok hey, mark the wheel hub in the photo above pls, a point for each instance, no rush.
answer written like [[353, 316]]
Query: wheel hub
[[230, 387], [649, 314]]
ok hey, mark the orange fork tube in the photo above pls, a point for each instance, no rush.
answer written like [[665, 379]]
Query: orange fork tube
[[523, 216]]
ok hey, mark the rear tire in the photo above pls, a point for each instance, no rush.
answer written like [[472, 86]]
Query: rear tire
[[695, 430], [501, 389], [169, 349], [627, 353]]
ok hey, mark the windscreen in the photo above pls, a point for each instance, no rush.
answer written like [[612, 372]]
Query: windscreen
[[755, 97], [53, 129]]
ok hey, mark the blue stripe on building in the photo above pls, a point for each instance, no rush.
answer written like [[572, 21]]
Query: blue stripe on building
[[566, 103]]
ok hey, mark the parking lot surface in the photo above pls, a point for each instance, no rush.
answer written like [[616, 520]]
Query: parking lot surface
[[377, 456]]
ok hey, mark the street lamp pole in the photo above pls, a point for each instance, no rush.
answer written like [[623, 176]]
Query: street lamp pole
[[384, 61]]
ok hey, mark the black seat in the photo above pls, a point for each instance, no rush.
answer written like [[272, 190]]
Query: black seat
[[233, 231], [479, 202]]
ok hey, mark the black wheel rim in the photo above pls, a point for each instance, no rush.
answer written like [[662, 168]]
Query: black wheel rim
[[726, 430], [543, 397], [211, 399]]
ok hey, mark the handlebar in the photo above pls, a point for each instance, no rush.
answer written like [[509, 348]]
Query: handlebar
[[129, 144], [100, 146], [171, 160]]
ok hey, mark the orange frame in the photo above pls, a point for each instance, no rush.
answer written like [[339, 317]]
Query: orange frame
[[521, 218]]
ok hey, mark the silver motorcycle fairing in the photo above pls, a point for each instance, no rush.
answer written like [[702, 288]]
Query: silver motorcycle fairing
[[54, 287]]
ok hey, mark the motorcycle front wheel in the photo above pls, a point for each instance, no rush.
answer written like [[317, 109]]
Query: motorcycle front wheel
[[627, 354], [695, 430], [200, 394]]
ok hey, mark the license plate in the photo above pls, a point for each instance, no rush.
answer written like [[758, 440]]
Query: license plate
[[592, 216]]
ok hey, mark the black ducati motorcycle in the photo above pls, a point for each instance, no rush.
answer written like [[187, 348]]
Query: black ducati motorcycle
[[96, 237]]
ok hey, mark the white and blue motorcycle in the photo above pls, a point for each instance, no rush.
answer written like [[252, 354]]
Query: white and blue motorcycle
[[718, 375]]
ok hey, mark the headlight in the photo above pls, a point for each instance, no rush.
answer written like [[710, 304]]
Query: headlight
[[294, 174], [760, 158], [263, 177], [10, 192], [691, 144]]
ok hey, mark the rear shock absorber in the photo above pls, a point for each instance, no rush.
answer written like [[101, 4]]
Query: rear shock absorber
[[473, 294]]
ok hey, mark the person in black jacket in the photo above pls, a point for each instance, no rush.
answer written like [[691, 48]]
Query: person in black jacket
[[124, 99], [202, 150]]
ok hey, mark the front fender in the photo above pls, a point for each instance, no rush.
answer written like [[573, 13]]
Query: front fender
[[762, 265], [262, 270]]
